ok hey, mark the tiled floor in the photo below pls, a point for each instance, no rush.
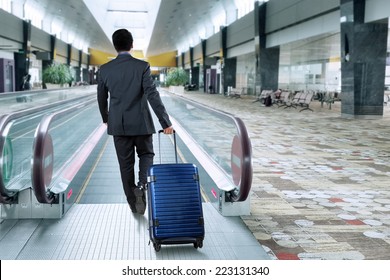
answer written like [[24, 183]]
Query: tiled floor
[[100, 226], [111, 232], [321, 186]]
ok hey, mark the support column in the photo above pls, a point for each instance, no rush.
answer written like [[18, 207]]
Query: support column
[[86, 70], [363, 62], [229, 65], [204, 43], [79, 69], [69, 54], [69, 59], [53, 40], [191, 51], [22, 58], [191, 57], [183, 63], [267, 59], [223, 57], [47, 63]]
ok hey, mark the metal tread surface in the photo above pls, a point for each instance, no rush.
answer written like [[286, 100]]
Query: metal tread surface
[[112, 232]]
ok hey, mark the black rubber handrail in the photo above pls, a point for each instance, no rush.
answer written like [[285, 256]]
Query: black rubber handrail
[[242, 193], [37, 167], [247, 169], [7, 196]]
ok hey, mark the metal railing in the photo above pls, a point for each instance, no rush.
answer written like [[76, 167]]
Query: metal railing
[[222, 138], [16, 146], [11, 102], [57, 141]]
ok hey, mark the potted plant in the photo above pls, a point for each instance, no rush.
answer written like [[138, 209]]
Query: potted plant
[[176, 79], [58, 74]]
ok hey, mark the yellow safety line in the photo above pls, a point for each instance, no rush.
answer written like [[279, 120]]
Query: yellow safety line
[[86, 182]]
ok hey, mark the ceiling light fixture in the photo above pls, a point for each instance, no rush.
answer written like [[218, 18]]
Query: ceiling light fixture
[[127, 11], [129, 27]]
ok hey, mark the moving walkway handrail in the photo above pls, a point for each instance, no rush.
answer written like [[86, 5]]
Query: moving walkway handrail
[[6, 196], [38, 160], [247, 169], [245, 184], [13, 94]]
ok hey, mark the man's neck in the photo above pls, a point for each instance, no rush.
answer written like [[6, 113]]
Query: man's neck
[[124, 52]]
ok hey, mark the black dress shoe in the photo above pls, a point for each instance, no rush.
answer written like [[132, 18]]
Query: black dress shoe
[[133, 209], [140, 201]]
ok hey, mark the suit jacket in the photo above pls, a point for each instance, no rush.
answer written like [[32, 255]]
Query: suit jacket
[[125, 87]]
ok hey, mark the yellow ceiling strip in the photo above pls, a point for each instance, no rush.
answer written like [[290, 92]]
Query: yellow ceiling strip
[[99, 57], [163, 60]]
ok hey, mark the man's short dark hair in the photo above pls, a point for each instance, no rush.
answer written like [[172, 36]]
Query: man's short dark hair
[[122, 40]]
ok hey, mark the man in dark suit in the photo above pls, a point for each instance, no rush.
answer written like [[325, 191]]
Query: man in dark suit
[[125, 88]]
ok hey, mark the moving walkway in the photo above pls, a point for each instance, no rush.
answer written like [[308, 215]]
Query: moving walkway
[[62, 195]]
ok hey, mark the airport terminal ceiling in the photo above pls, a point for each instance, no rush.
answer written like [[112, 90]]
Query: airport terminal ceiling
[[158, 26]]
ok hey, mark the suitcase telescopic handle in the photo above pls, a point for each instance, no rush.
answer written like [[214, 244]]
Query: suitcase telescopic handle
[[174, 143]]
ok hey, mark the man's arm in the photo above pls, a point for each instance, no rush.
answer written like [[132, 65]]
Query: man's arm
[[102, 98], [155, 101]]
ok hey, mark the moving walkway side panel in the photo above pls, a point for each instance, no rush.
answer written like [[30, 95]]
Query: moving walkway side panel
[[11, 102], [73, 177], [222, 136], [84, 124], [28, 206], [3, 197], [17, 130], [19, 210], [86, 160], [64, 142], [221, 144]]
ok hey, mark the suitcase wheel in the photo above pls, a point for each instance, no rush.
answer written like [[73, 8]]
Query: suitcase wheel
[[198, 244], [157, 246]]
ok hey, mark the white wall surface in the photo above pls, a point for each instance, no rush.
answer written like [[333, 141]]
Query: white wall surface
[[213, 44], [328, 23], [246, 48], [377, 9], [241, 31]]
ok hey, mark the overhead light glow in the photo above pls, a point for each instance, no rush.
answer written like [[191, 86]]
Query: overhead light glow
[[56, 28], [127, 11], [202, 32], [34, 14], [5, 5]]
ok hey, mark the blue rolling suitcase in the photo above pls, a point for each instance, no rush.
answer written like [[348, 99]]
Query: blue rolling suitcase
[[175, 205]]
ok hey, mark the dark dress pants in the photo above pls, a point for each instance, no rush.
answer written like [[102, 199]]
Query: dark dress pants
[[125, 147]]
